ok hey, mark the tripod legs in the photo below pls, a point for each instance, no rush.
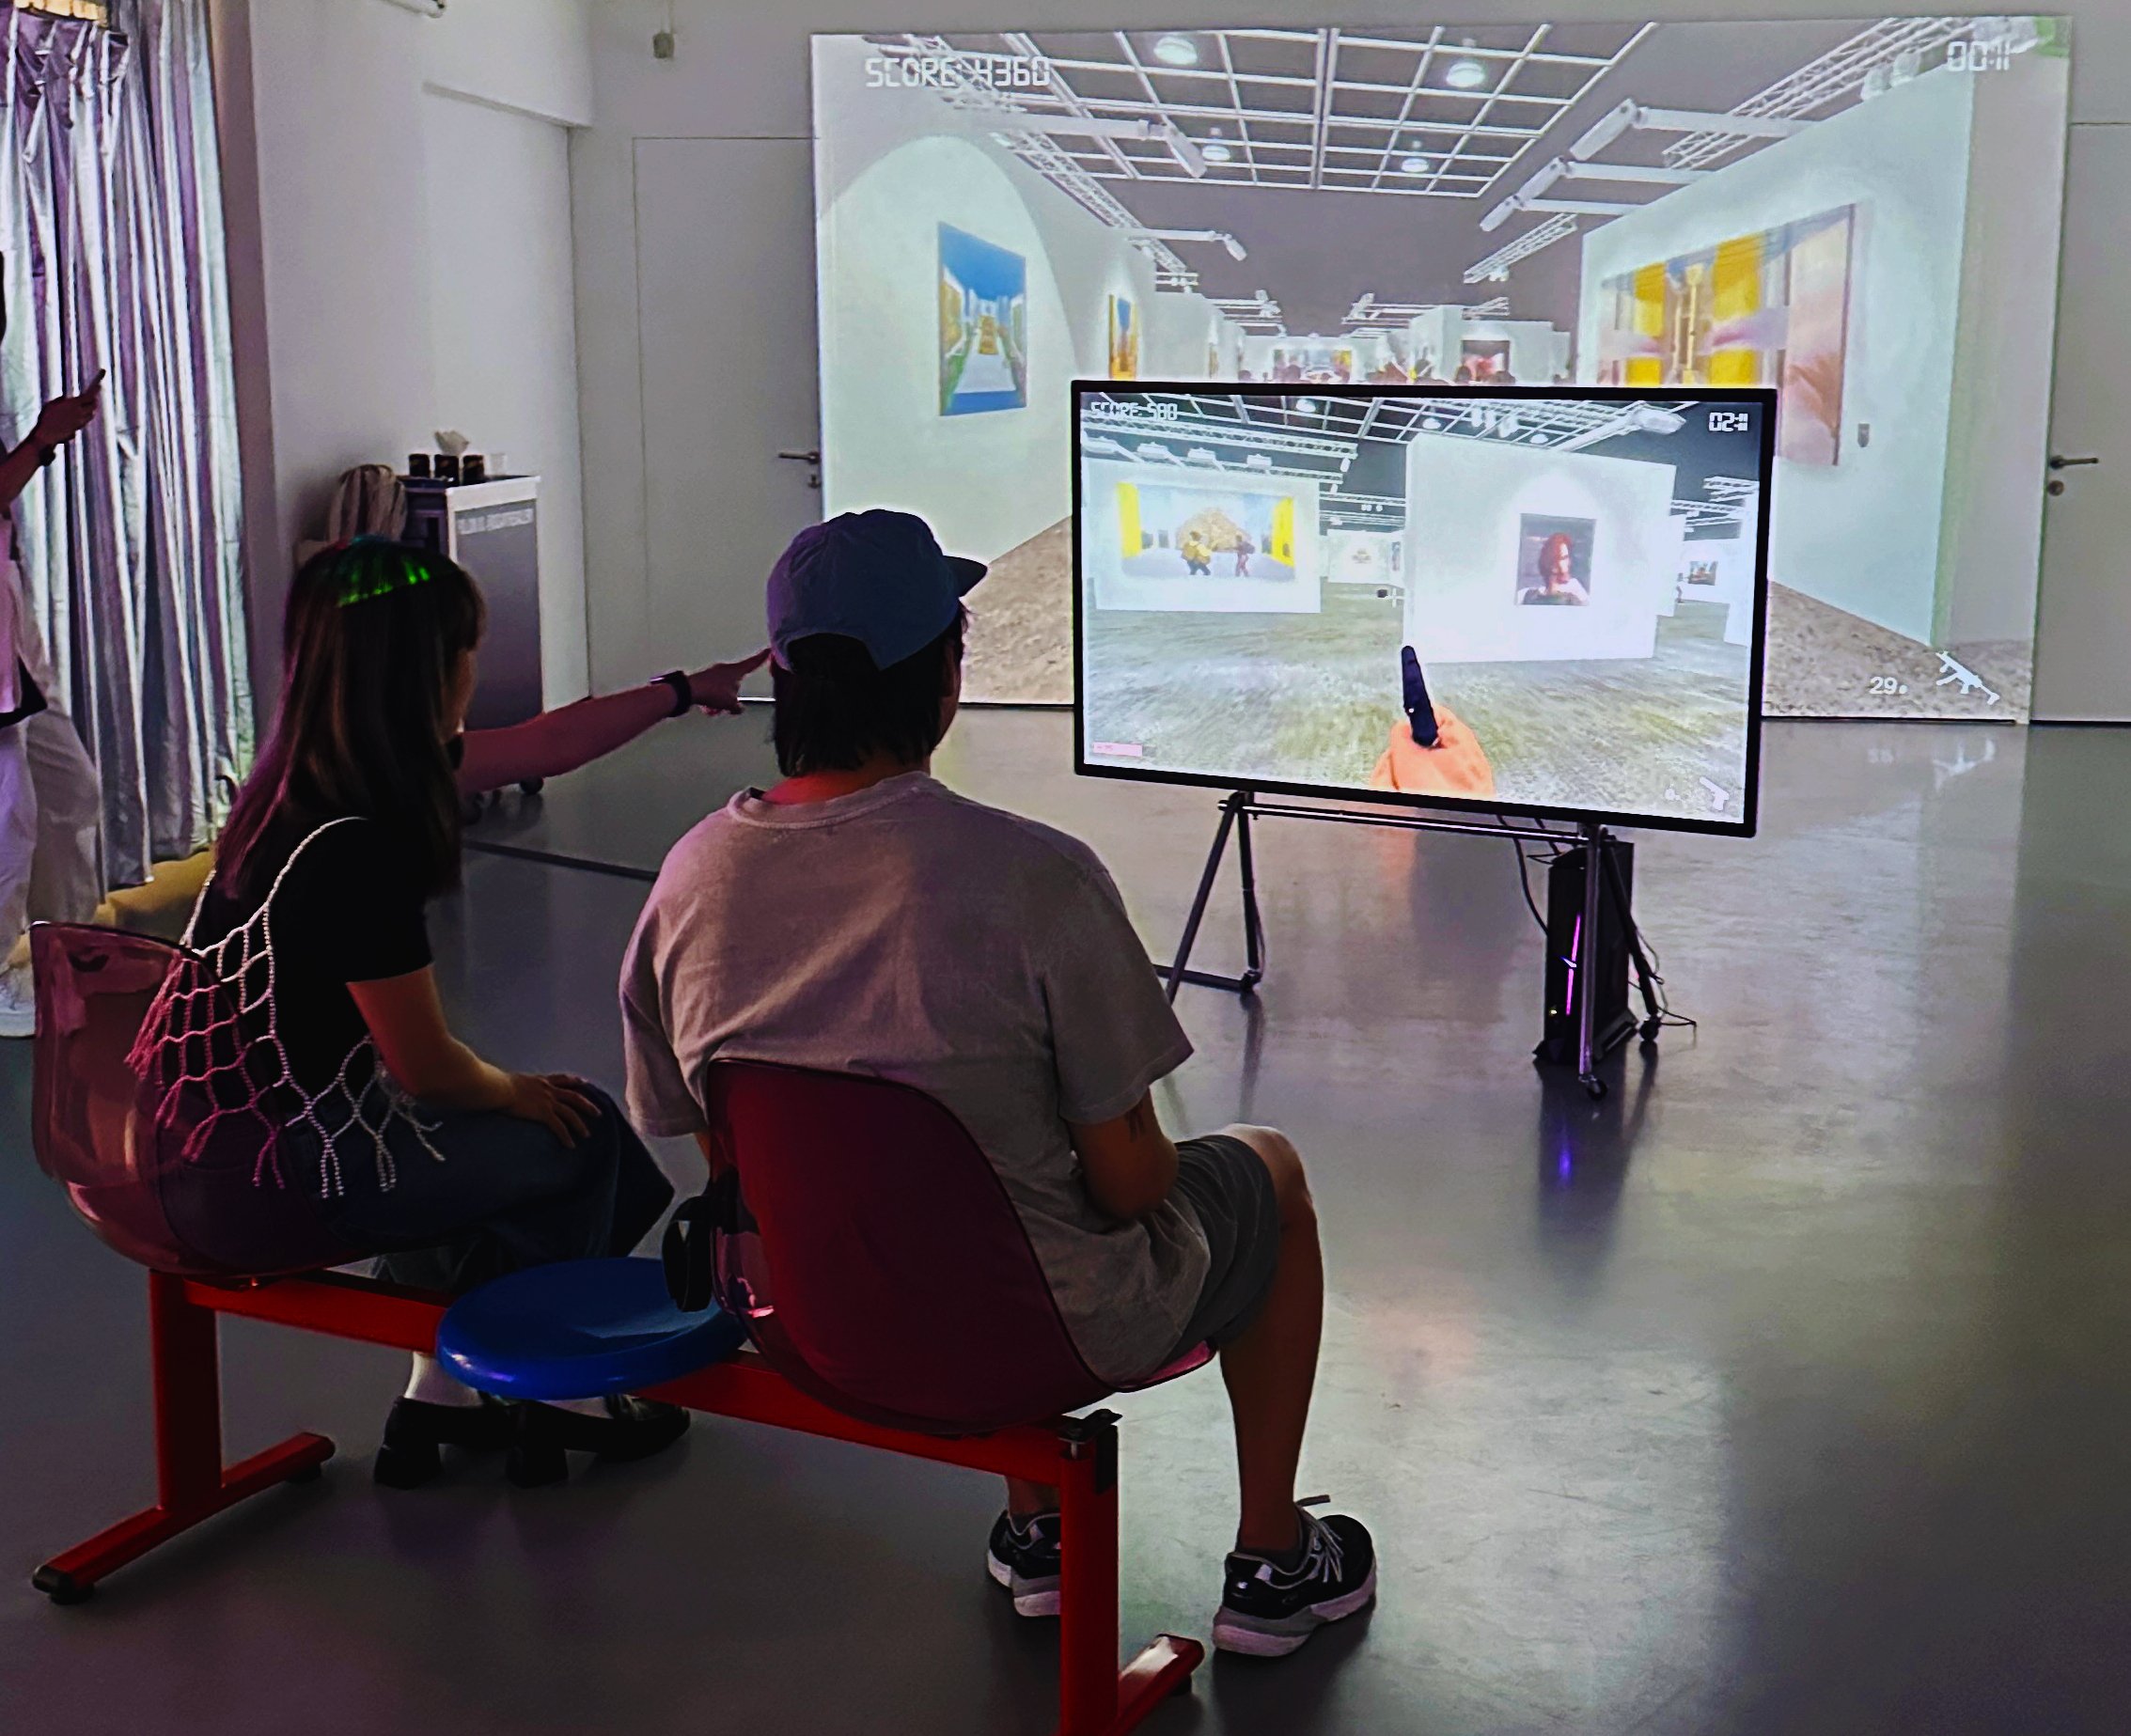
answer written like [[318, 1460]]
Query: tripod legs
[[1236, 816]]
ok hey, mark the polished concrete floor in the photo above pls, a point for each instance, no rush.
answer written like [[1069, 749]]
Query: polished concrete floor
[[1785, 1392]]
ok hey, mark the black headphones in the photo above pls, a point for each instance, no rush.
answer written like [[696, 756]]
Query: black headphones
[[689, 1251]]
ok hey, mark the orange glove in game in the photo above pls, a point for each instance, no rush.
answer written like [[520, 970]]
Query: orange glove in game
[[1455, 766]]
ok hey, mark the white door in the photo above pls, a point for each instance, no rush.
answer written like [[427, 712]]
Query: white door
[[503, 326], [2083, 632], [725, 270]]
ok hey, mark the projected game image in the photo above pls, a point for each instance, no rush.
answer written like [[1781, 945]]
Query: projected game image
[[1861, 213], [1486, 599]]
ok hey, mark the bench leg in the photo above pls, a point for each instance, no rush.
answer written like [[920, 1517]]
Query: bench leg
[[191, 1482], [1094, 1698]]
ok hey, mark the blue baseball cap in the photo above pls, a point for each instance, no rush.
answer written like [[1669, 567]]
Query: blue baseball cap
[[878, 577]]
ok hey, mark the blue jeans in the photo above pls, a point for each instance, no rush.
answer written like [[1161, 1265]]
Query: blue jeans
[[509, 1194]]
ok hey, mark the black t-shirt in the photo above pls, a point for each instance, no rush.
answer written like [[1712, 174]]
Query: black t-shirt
[[348, 912]]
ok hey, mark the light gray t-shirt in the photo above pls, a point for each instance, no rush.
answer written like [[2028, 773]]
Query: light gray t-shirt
[[909, 933]]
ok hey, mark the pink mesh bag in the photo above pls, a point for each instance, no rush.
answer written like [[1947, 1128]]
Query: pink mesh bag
[[166, 1104]]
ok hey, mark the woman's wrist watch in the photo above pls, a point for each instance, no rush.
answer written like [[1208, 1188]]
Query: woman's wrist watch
[[684, 695]]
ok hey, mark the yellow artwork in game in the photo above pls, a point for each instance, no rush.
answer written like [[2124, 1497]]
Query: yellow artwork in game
[[1125, 339]]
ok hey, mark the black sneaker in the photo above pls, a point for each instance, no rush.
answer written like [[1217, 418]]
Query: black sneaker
[[1024, 1557], [1268, 1610]]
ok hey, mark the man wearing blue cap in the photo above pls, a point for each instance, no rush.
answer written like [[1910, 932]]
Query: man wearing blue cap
[[796, 926]]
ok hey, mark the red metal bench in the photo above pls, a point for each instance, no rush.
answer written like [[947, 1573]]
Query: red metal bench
[[93, 986]]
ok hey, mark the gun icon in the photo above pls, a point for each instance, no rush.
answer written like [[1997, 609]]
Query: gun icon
[[1970, 682]]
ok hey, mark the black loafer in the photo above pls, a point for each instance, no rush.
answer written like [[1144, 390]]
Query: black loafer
[[633, 1428], [408, 1457]]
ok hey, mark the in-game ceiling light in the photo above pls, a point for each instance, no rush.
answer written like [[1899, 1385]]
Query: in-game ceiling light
[[1414, 165], [1539, 440], [1305, 406], [1466, 72], [1176, 50], [1213, 150], [1433, 425]]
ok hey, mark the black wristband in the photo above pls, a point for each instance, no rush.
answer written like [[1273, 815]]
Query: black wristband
[[684, 695]]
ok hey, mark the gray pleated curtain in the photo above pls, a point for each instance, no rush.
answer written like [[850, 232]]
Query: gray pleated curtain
[[111, 225]]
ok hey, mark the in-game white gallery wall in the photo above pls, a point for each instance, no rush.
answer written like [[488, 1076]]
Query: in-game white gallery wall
[[1951, 182], [1472, 505], [895, 187]]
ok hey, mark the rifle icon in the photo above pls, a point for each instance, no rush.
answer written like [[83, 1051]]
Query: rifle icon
[[1969, 681]]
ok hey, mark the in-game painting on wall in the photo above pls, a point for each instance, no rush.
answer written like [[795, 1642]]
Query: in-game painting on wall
[[1124, 339], [1769, 308], [983, 325]]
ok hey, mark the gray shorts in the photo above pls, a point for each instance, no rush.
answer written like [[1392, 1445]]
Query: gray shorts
[[1226, 1186]]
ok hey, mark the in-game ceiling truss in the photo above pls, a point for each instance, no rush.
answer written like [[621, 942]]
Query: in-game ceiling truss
[[1420, 112]]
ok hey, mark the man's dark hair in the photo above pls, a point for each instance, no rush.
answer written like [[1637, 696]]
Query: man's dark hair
[[834, 709]]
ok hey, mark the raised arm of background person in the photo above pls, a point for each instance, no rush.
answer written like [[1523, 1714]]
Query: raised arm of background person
[[1129, 1163], [575, 735], [406, 1022], [58, 422]]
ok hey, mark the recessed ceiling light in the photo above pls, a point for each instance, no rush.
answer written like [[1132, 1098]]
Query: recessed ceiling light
[[1176, 50], [1539, 440], [1305, 406], [1432, 423], [1211, 149], [1414, 165], [1465, 72]]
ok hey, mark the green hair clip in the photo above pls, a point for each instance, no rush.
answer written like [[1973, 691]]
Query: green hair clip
[[376, 567]]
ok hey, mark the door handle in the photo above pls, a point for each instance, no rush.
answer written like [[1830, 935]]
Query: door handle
[[2058, 461], [814, 456], [812, 460]]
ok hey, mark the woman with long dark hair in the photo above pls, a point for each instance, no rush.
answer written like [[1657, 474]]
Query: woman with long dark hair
[[405, 1142]]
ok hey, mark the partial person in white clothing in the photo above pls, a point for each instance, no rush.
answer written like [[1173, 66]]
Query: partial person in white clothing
[[50, 804]]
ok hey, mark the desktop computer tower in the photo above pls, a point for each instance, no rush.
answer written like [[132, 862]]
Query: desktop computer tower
[[1606, 978]]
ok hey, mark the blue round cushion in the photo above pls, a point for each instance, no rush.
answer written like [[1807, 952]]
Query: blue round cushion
[[578, 1329]]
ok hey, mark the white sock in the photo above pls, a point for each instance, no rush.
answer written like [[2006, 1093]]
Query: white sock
[[429, 1383], [583, 1407]]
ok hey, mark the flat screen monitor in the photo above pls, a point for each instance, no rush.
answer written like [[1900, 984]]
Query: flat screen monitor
[[1541, 601]]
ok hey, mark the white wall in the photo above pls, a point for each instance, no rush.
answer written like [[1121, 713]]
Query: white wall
[[1999, 428], [1861, 534], [1359, 558], [339, 343], [503, 326], [1733, 558], [1465, 500]]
